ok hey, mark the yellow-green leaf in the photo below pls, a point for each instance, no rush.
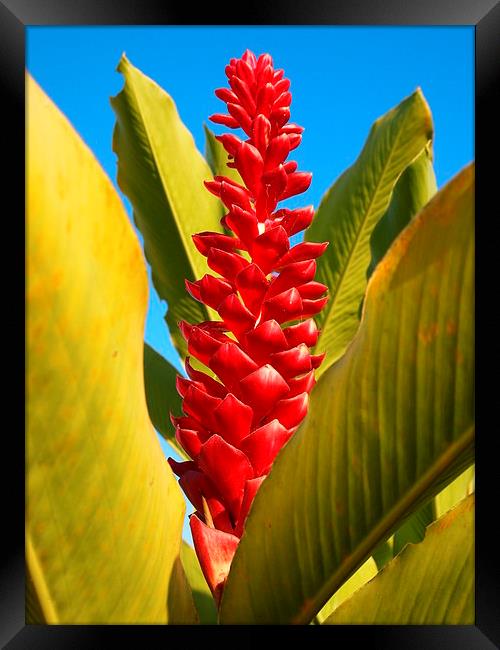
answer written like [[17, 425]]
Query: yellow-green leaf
[[415, 187], [389, 425], [104, 511], [350, 210], [181, 600], [202, 595], [161, 395], [216, 157], [454, 492], [162, 173], [413, 529], [431, 583], [365, 573], [383, 553]]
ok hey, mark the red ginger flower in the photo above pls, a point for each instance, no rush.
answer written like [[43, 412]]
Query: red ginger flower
[[234, 428]]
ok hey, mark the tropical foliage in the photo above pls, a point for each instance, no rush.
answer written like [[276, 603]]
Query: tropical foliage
[[366, 515]]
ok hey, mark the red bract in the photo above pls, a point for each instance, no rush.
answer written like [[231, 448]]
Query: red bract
[[265, 295]]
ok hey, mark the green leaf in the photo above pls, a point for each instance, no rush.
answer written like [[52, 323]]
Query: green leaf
[[216, 157], [415, 187], [181, 602], [104, 511], [203, 599], [428, 584], [161, 395], [389, 425], [162, 173], [365, 573], [33, 610], [382, 554], [413, 529], [454, 492], [350, 210]]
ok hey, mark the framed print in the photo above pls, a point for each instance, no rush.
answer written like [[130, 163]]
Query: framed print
[[250, 309]]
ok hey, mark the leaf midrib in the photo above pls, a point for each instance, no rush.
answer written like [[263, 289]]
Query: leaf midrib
[[314, 604], [39, 584], [332, 303], [168, 197]]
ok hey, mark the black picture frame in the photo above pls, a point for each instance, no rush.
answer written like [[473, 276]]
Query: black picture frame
[[15, 15]]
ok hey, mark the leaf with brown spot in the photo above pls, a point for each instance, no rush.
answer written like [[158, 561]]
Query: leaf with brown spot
[[404, 408], [104, 511], [431, 583]]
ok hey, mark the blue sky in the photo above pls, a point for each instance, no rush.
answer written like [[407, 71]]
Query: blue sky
[[343, 78]]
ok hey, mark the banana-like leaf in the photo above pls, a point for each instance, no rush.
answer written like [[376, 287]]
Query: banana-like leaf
[[33, 609], [162, 173], [431, 583], [216, 157], [415, 187], [351, 209], [389, 425], [413, 529], [104, 511], [203, 598], [181, 602], [457, 490], [383, 554], [161, 394], [366, 572]]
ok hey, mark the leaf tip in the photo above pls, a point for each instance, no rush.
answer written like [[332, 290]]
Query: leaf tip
[[427, 111]]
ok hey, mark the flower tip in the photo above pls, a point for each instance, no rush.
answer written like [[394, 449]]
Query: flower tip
[[182, 385], [174, 465], [225, 120], [185, 329], [248, 56], [214, 187], [188, 284], [317, 359]]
